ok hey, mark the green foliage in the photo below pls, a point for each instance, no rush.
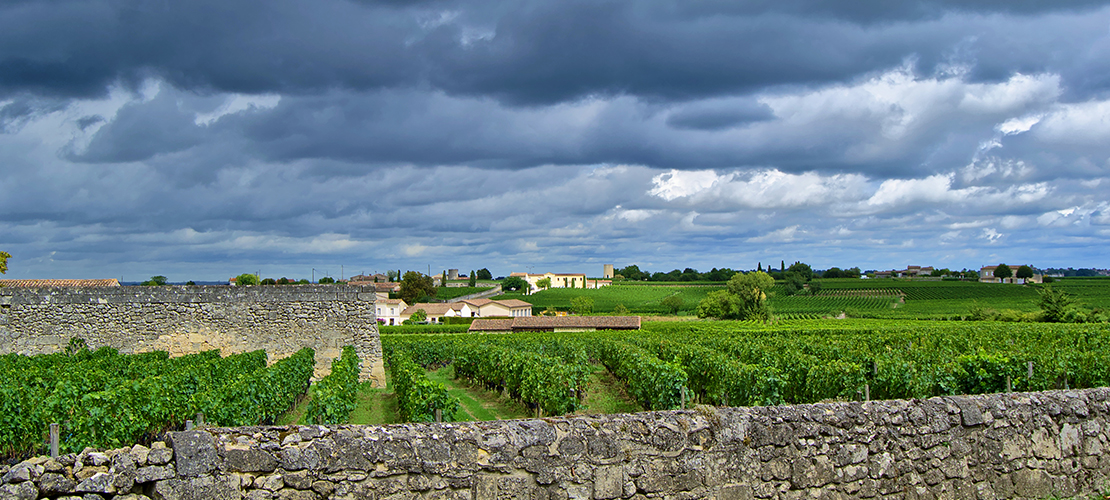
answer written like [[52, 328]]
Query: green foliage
[[513, 283], [1055, 304], [268, 281], [672, 303], [326, 280], [333, 397], [415, 285], [802, 270], [428, 329], [473, 279], [655, 384], [745, 298], [484, 274], [104, 399], [155, 281], [246, 279], [543, 284], [4, 256], [582, 305], [1024, 272], [259, 397], [417, 316], [1003, 271], [418, 398]]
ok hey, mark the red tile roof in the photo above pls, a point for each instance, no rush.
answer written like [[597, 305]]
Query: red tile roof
[[552, 322], [58, 283]]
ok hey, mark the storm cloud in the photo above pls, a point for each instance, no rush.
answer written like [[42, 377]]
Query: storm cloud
[[199, 140]]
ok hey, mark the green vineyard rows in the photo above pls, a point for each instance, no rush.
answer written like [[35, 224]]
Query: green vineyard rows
[[333, 397], [105, 399], [745, 363]]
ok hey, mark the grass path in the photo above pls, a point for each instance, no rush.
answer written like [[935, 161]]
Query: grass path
[[476, 403], [375, 406], [605, 394]]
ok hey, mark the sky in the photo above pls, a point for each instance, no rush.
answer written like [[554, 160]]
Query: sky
[[204, 139]]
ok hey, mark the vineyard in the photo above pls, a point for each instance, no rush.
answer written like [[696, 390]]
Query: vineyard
[[874, 298], [742, 363], [105, 399]]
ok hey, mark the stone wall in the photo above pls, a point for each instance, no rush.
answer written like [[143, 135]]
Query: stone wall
[[188, 319], [1027, 445]]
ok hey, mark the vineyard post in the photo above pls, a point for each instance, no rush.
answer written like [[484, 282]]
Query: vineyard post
[[1029, 373], [439, 415], [188, 425], [683, 397], [54, 440], [200, 419], [867, 392], [1009, 384]]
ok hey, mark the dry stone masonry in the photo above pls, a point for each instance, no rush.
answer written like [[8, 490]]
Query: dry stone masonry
[[1028, 445], [188, 319]]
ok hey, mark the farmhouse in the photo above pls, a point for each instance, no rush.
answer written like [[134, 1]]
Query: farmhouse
[[389, 310], [487, 308], [561, 280], [437, 311], [986, 275], [556, 324]]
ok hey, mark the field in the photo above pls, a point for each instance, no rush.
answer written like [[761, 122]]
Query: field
[[742, 363], [105, 399], [875, 298]]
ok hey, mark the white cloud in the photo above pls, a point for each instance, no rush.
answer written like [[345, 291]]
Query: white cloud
[[238, 103], [1080, 123], [784, 235], [679, 183], [413, 250], [1015, 126], [935, 188], [991, 235]]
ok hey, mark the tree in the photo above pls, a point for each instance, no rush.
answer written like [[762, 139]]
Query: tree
[[543, 284], [270, 281], [833, 272], [327, 280], [392, 275], [246, 279], [443, 279], [419, 315], [4, 256], [1024, 272], [473, 279], [513, 283], [484, 274], [190, 283], [632, 272], [620, 310], [1055, 304], [672, 303], [415, 285], [802, 270], [745, 298], [582, 305], [154, 281], [1003, 271]]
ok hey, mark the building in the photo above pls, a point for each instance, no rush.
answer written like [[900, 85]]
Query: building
[[561, 280], [607, 272], [556, 324], [389, 310], [986, 275], [437, 311], [363, 279], [485, 308]]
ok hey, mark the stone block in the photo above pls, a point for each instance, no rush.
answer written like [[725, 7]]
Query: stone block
[[1032, 483], [154, 473], [249, 460], [25, 490], [52, 483], [609, 481], [736, 492], [206, 487], [195, 451]]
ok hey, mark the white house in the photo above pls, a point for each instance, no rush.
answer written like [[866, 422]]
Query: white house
[[389, 310], [437, 311], [561, 280], [493, 308], [986, 275]]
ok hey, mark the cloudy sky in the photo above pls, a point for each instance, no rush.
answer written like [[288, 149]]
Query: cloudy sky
[[203, 139]]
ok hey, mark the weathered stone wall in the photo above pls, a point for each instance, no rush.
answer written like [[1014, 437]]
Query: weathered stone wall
[[188, 319], [1030, 445]]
